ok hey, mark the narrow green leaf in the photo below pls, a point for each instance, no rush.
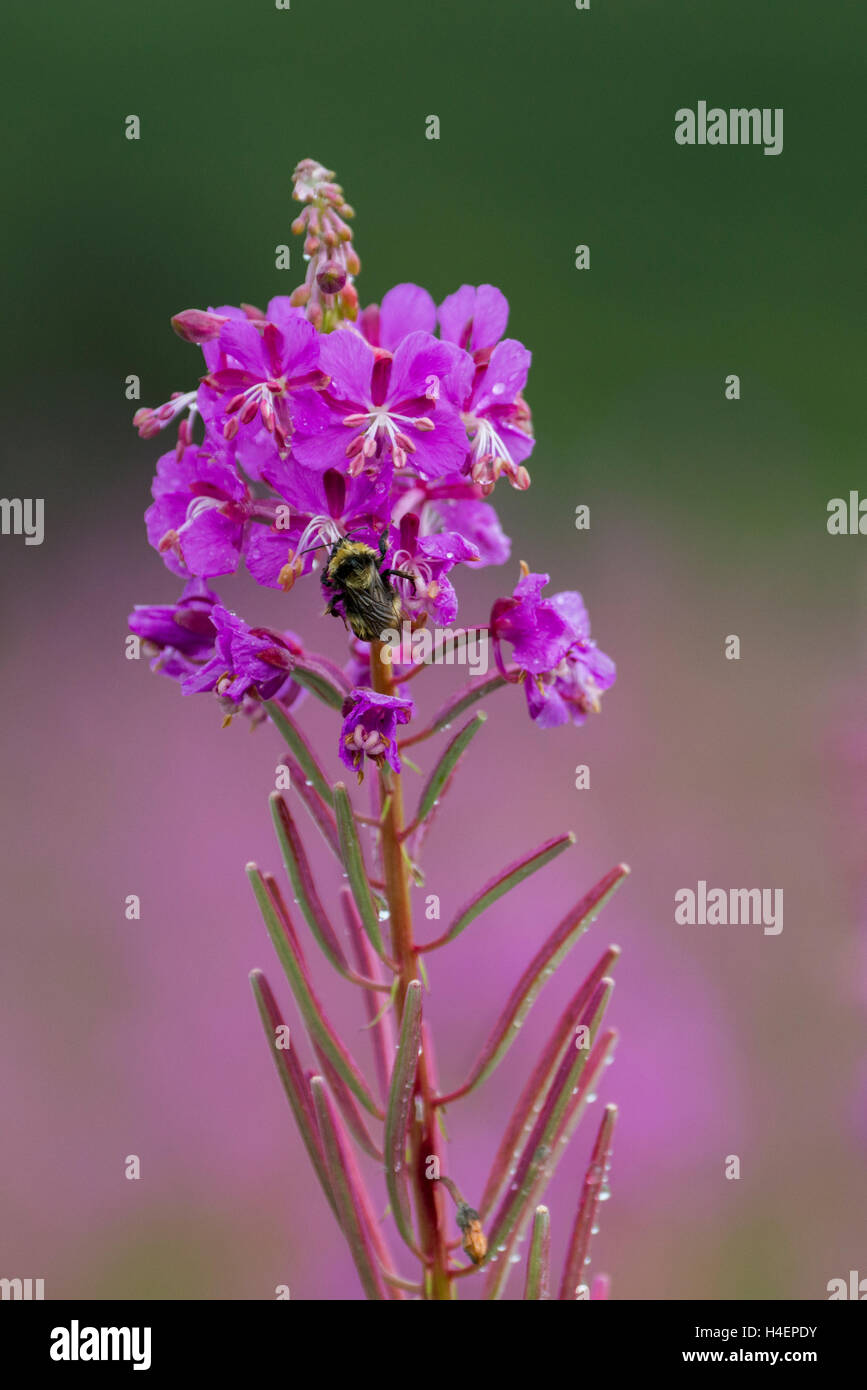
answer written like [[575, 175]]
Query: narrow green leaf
[[600, 1055], [595, 1180], [347, 1107], [320, 1030], [345, 1181], [323, 679], [464, 699], [320, 811], [538, 1285], [509, 878], [300, 748], [293, 1080], [303, 885], [538, 1083], [397, 1113], [353, 863], [546, 960], [540, 1147], [446, 766], [380, 1021]]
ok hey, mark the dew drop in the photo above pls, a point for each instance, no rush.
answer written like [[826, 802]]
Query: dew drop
[[497, 389]]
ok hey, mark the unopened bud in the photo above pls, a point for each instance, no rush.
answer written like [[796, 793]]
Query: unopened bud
[[349, 300], [197, 326], [331, 277]]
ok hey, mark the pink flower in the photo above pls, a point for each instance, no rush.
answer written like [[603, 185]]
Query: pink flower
[[369, 730], [199, 513], [261, 368], [382, 409]]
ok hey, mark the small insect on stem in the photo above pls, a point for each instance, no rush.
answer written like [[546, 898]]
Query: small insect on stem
[[473, 1239]]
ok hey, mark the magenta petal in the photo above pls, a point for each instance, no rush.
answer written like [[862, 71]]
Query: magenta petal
[[320, 437], [281, 311], [420, 366], [240, 340], [405, 309], [479, 523], [456, 316], [548, 709], [506, 375], [266, 552], [211, 543], [448, 548], [299, 345], [490, 316], [474, 318], [541, 645], [348, 360], [519, 444], [443, 449], [445, 605], [571, 606]]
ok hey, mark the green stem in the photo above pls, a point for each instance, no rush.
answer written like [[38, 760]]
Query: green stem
[[423, 1131]]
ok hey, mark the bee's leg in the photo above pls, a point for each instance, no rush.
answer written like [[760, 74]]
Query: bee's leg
[[401, 574], [332, 607], [383, 544]]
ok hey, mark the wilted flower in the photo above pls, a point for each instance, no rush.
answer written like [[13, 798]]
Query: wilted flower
[[178, 637], [247, 661], [539, 633], [551, 644], [571, 690]]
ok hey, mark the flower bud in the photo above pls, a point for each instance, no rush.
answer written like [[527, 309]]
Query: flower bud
[[331, 277], [197, 326]]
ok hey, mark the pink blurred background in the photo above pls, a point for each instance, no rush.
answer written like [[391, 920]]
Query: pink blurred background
[[707, 518], [124, 1037]]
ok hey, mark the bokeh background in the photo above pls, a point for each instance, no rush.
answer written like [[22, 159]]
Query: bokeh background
[[707, 518]]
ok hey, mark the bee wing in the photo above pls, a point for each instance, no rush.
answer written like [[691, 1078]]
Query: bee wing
[[372, 611]]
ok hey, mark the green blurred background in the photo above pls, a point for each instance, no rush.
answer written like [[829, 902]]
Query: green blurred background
[[708, 516]]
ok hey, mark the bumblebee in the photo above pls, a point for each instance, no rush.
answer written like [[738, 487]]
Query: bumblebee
[[360, 592]]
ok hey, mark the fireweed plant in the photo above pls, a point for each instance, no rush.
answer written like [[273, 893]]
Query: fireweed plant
[[358, 449]]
